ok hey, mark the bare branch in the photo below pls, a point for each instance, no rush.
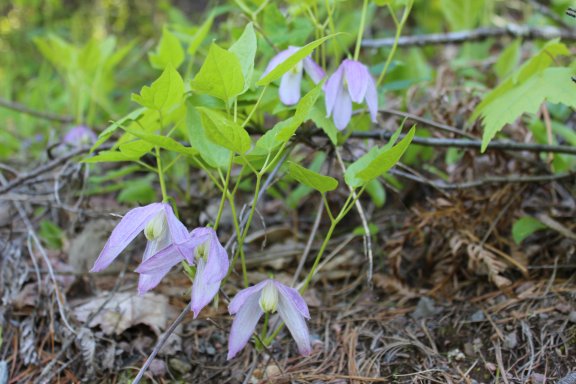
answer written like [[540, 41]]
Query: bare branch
[[28, 111]]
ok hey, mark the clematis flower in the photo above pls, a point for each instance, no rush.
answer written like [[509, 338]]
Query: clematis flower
[[161, 228], [79, 136], [351, 82], [290, 82], [268, 296], [201, 248]]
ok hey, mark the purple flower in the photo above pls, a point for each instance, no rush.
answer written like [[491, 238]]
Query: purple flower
[[161, 228], [351, 82], [268, 296], [290, 81], [202, 248], [79, 136]]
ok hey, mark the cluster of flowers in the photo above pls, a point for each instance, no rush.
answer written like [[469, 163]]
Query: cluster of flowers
[[170, 243], [351, 82]]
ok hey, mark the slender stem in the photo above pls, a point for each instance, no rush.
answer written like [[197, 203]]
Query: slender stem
[[327, 207], [161, 175], [319, 256], [361, 29], [224, 193], [255, 107], [399, 27], [240, 249]]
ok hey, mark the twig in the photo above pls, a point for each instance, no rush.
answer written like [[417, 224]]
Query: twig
[[461, 37], [161, 343], [28, 111], [441, 184], [473, 144]]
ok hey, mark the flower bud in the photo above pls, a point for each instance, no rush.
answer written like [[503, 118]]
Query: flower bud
[[269, 298], [155, 227], [201, 251]]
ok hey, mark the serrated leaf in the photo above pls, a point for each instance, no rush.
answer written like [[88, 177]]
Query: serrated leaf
[[524, 227], [223, 131], [376, 162], [291, 61], [163, 142], [168, 52], [553, 85], [245, 49], [312, 179], [164, 93], [220, 75]]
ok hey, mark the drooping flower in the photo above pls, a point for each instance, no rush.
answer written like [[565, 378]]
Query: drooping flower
[[201, 248], [79, 136], [290, 82], [351, 82], [161, 227], [268, 296]]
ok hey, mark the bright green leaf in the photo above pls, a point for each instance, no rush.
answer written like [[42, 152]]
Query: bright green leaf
[[200, 35], [245, 49], [215, 155], [168, 52], [524, 227], [377, 192], [108, 157], [312, 179], [162, 141], [164, 93], [140, 191], [508, 59], [220, 75], [225, 132], [105, 134], [318, 116]]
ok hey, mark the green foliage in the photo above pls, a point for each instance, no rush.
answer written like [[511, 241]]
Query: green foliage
[[245, 49], [168, 53], [51, 234], [312, 179], [220, 75], [164, 94], [524, 227], [162, 142], [139, 191], [200, 35], [508, 59], [377, 192], [224, 131]]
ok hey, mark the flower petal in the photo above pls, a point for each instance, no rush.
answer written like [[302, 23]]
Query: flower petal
[[203, 291], [357, 77], [372, 99], [294, 297], [290, 87], [163, 260], [244, 323], [148, 282], [279, 59], [178, 231], [313, 70], [342, 109], [217, 265], [240, 299], [332, 88], [129, 227], [295, 322]]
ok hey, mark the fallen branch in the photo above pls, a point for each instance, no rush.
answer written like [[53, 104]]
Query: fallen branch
[[29, 111], [461, 37], [473, 144]]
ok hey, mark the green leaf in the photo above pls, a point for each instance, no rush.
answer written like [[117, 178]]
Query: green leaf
[[377, 192], [524, 227], [108, 157], [138, 191], [164, 93], [220, 75], [318, 116], [200, 35], [553, 85], [135, 149], [291, 61], [168, 52], [312, 179], [51, 234], [215, 155], [105, 134], [508, 59], [376, 162], [245, 49], [225, 132], [164, 142]]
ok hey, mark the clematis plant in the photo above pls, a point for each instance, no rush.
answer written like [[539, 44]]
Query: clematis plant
[[268, 296], [351, 82], [289, 91], [161, 227], [201, 248]]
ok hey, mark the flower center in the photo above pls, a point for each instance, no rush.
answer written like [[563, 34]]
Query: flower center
[[269, 298], [156, 227], [201, 251]]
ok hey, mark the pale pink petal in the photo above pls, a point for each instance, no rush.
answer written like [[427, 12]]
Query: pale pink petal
[[357, 77], [294, 297], [217, 265], [290, 87], [148, 282], [372, 100], [129, 227], [295, 322], [313, 70], [342, 109], [240, 299], [244, 323], [178, 231], [279, 59], [331, 89], [160, 261], [202, 290]]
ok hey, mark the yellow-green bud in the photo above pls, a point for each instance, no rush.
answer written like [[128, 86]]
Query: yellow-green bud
[[269, 298], [155, 227], [201, 251]]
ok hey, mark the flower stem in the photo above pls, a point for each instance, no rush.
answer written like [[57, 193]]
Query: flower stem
[[361, 30], [224, 193], [161, 175]]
